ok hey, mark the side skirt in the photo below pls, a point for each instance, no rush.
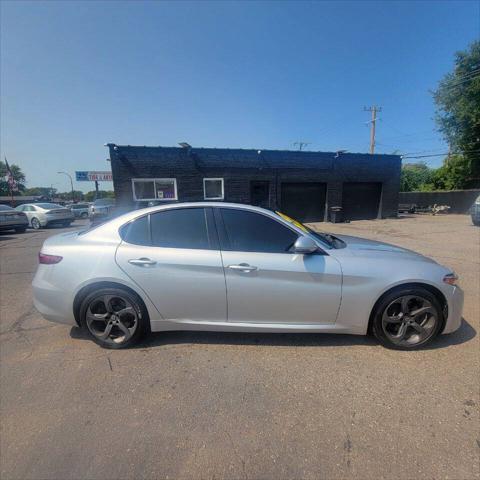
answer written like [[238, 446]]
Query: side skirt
[[166, 325]]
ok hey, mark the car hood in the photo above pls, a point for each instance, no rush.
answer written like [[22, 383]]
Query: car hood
[[363, 247]]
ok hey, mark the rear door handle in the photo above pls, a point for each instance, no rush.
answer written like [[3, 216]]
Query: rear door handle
[[142, 262], [243, 267]]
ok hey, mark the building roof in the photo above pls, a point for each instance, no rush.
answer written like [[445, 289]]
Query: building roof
[[247, 158]]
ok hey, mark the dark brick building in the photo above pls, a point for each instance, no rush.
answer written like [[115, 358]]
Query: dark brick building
[[302, 184]]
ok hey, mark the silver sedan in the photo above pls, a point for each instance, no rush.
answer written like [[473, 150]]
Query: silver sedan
[[229, 267], [46, 214]]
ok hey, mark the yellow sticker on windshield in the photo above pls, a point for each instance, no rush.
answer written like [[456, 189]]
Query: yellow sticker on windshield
[[293, 222]]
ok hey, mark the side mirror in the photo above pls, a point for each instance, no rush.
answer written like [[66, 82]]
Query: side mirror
[[305, 245]]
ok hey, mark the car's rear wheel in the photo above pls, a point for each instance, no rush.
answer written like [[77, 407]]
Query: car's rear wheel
[[35, 223], [407, 318], [21, 229], [84, 215], [114, 317]]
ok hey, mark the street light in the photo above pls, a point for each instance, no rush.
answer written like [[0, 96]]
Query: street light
[[71, 184]]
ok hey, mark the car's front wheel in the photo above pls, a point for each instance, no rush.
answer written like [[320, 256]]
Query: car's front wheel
[[407, 318], [114, 317]]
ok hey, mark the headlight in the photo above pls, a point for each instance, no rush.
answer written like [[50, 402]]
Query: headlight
[[450, 278]]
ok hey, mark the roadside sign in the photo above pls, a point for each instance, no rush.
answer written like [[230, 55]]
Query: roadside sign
[[93, 176]]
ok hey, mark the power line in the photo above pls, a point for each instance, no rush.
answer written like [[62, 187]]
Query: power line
[[458, 83], [440, 154]]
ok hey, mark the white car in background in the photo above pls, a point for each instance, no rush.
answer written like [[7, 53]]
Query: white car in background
[[46, 214]]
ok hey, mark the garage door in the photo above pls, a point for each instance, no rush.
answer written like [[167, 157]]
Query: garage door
[[361, 200], [304, 201]]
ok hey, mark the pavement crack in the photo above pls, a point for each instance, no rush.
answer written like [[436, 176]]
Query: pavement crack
[[239, 457]]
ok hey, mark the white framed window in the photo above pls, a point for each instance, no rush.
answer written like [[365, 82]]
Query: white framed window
[[213, 189], [162, 189]]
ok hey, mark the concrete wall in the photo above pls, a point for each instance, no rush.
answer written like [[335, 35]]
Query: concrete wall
[[459, 200], [239, 167]]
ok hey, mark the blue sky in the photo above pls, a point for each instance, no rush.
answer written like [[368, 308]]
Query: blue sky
[[75, 75]]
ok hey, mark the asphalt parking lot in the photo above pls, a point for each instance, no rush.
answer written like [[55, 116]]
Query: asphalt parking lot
[[226, 405]]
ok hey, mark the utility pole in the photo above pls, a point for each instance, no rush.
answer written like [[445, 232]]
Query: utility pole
[[301, 145], [374, 109]]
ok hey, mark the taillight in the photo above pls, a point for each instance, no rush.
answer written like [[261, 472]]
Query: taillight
[[450, 278], [48, 259]]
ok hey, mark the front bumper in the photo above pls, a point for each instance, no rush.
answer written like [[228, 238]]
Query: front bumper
[[13, 225], [455, 310]]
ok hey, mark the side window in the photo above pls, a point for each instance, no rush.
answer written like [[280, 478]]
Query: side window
[[254, 232], [136, 232], [180, 228]]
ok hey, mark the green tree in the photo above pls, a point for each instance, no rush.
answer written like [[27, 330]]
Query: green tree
[[40, 191], [17, 174], [67, 196], [452, 174], [90, 196], [415, 176], [458, 117]]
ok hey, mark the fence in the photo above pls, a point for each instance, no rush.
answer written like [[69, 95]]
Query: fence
[[459, 200]]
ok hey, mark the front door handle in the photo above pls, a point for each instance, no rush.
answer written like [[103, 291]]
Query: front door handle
[[142, 262], [243, 267]]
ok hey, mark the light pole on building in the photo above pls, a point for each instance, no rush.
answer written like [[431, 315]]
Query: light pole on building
[[71, 183]]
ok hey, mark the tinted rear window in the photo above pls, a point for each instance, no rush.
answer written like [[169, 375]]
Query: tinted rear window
[[48, 206], [180, 228], [5, 207], [136, 232]]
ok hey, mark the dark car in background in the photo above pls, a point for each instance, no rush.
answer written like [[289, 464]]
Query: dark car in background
[[475, 212], [10, 219]]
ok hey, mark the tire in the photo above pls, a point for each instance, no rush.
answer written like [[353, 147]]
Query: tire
[[66, 224], [21, 229], [476, 222], [84, 215], [395, 327], [35, 223], [101, 310]]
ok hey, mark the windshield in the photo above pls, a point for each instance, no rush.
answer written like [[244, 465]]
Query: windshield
[[48, 206], [327, 238]]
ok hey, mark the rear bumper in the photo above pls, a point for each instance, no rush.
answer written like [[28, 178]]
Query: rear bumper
[[455, 310], [53, 303], [58, 221]]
